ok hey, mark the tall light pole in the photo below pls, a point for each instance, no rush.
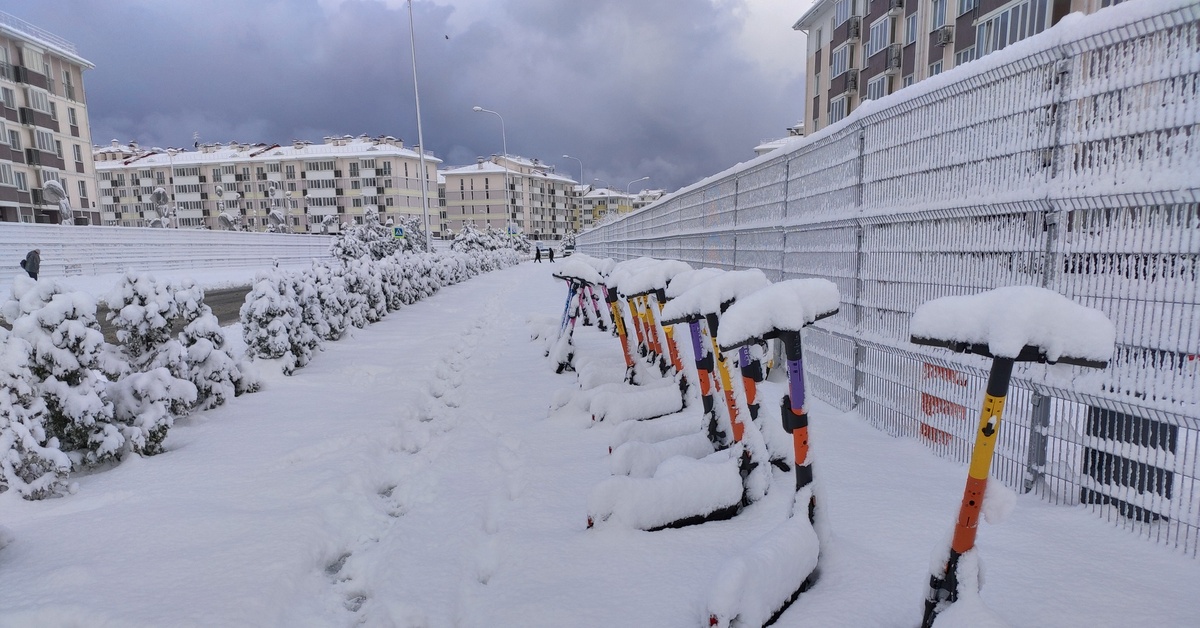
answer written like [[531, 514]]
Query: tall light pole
[[412, 40], [171, 160], [580, 166], [601, 181], [627, 192], [504, 163]]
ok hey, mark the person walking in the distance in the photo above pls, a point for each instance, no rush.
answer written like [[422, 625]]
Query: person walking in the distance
[[537, 255], [551, 250], [32, 263]]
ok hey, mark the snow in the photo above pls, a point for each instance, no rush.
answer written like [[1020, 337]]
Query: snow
[[709, 296], [580, 270], [1008, 319], [783, 306], [652, 277], [349, 494]]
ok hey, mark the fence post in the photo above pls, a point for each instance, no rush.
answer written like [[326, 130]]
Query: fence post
[[859, 349], [1039, 441], [1039, 422]]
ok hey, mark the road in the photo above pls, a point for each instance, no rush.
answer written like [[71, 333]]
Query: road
[[225, 305]]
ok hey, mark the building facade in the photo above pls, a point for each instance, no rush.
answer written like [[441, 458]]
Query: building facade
[[510, 193], [44, 132], [866, 49], [314, 187]]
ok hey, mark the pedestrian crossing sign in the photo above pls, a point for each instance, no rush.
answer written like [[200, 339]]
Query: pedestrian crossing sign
[[398, 233]]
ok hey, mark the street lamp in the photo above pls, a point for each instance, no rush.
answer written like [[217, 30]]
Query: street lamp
[[171, 159], [504, 146], [580, 166], [420, 138], [632, 182], [601, 181]]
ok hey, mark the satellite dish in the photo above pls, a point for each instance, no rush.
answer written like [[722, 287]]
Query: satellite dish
[[159, 196], [53, 191]]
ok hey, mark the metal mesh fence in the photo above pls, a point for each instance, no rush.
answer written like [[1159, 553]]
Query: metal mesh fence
[[1067, 164]]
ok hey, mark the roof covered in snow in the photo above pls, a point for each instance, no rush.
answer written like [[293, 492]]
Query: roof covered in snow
[[362, 146]]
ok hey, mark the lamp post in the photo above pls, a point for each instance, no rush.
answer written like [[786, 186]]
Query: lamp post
[[171, 160], [580, 166], [632, 182], [420, 138], [601, 181], [504, 147]]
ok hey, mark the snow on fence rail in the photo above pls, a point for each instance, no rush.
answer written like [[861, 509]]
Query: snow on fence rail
[[69, 250], [1069, 161]]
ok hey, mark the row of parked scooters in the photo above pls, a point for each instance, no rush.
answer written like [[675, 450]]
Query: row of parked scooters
[[675, 466]]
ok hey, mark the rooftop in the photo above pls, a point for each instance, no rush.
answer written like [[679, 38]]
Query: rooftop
[[21, 29]]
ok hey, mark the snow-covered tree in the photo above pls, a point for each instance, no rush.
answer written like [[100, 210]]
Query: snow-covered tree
[[65, 345], [330, 284], [212, 367], [30, 461], [273, 322], [155, 387]]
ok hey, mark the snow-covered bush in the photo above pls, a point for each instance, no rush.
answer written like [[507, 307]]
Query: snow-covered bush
[[212, 367], [331, 293], [65, 347], [273, 322], [30, 462], [376, 240]]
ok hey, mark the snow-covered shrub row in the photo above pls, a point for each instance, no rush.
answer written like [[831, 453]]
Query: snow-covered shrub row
[[288, 314], [69, 399], [472, 239]]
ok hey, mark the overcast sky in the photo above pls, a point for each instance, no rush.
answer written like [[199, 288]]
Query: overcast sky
[[671, 89]]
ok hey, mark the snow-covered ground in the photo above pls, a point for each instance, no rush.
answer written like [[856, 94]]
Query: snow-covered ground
[[415, 475]]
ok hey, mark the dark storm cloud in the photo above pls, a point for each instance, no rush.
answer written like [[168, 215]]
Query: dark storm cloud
[[631, 87]]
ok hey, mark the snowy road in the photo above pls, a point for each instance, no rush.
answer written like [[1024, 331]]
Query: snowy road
[[413, 475]]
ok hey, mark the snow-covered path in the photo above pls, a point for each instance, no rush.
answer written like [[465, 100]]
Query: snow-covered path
[[413, 475]]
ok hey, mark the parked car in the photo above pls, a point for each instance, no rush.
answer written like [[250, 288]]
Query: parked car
[[568, 249]]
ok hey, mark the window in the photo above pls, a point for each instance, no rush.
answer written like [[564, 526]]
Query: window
[[83, 189], [187, 189], [966, 5], [939, 13], [45, 141], [386, 170], [310, 166], [58, 148], [273, 168], [965, 55], [935, 68], [1010, 25], [9, 97], [289, 172], [6, 174], [910, 29], [906, 81], [160, 178], [838, 108], [877, 87], [3, 132], [817, 43], [188, 172], [880, 35], [37, 99], [14, 140], [22, 184], [843, 10], [839, 61]]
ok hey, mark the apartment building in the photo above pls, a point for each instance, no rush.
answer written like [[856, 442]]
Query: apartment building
[[314, 187], [866, 49], [44, 132], [511, 193], [600, 202]]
